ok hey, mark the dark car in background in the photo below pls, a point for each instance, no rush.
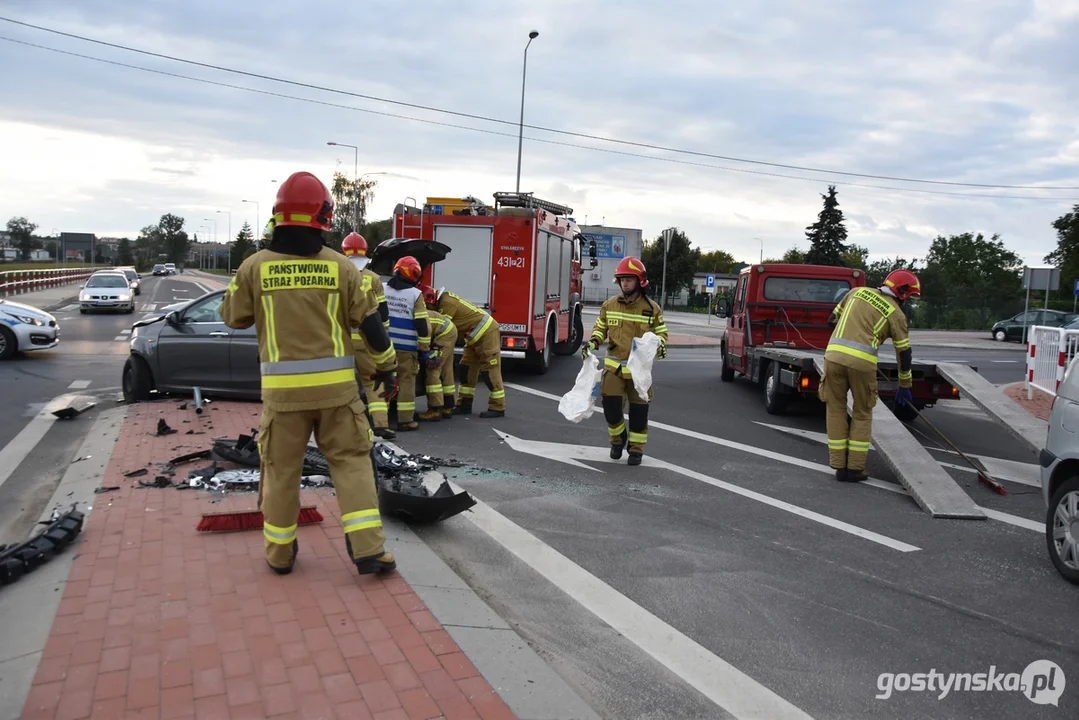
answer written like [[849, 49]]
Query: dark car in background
[[1012, 328], [188, 345]]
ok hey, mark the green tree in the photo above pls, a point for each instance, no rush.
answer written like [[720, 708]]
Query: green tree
[[351, 198], [828, 236], [22, 235], [969, 281], [855, 256], [124, 255], [245, 242], [682, 261], [1066, 256], [174, 239], [715, 261], [377, 232]]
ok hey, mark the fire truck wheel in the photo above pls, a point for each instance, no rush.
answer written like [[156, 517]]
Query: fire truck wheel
[[571, 346], [541, 361]]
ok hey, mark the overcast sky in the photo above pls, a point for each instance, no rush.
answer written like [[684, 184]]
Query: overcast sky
[[983, 91]]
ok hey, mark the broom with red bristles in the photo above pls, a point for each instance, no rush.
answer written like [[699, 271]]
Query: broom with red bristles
[[250, 520]]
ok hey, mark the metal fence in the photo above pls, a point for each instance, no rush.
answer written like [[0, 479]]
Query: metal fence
[[1050, 352], [17, 282]]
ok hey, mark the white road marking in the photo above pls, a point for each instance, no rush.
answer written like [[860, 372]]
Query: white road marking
[[79, 385], [120, 337], [24, 443], [125, 332], [719, 681], [1005, 362], [996, 515], [558, 451]]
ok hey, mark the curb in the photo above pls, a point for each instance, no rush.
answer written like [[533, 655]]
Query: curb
[[28, 607]]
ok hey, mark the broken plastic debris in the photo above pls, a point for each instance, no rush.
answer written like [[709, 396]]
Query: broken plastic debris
[[163, 428], [98, 491], [135, 473], [84, 457]]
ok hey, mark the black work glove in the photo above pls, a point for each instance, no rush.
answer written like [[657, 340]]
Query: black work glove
[[387, 380]]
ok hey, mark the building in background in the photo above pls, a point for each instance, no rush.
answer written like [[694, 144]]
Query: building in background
[[77, 247], [612, 244]]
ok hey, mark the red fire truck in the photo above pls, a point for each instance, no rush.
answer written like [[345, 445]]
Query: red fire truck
[[520, 260]]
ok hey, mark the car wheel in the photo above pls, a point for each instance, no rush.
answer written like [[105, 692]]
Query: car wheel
[[131, 310], [83, 311], [137, 380], [775, 401], [9, 345], [726, 372], [1000, 335], [1062, 529]]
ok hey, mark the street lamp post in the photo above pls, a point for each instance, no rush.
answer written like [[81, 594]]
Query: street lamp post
[[762, 247], [212, 220], [521, 132], [258, 214], [355, 188], [228, 238]]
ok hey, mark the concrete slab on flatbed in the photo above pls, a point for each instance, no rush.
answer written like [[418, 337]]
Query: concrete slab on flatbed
[[1031, 431], [931, 487]]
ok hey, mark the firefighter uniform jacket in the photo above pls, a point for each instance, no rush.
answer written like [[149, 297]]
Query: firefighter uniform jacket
[[303, 308], [470, 321], [441, 328], [408, 319], [373, 284], [620, 322], [865, 318]]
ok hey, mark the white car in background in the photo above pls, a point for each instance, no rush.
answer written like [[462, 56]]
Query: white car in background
[[108, 290], [132, 278], [25, 328]]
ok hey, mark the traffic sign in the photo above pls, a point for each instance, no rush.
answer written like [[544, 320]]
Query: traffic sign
[[1077, 287], [710, 283]]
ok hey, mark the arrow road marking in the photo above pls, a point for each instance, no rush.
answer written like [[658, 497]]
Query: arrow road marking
[[563, 452], [760, 452]]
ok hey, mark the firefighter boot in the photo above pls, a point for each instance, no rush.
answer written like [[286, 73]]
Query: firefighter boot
[[287, 569], [635, 458], [374, 563], [616, 427], [841, 474], [857, 475], [408, 426], [384, 433], [447, 409], [432, 415]]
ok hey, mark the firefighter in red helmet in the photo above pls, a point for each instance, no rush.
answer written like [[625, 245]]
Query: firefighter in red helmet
[[301, 297], [410, 333], [354, 247], [864, 319], [622, 319]]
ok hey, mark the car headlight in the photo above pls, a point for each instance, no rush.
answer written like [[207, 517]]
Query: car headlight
[[124, 298], [84, 296], [29, 320]]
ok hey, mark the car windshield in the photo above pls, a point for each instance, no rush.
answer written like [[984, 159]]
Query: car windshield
[[159, 267], [817, 290], [131, 274], [107, 281]]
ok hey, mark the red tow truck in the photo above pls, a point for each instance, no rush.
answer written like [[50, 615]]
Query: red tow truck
[[520, 260], [777, 332]]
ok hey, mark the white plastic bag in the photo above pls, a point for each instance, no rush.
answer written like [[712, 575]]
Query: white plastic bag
[[641, 357], [576, 405]]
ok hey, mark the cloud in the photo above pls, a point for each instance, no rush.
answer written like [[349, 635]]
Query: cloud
[[953, 90]]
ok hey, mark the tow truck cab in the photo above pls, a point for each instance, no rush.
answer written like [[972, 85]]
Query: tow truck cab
[[777, 329]]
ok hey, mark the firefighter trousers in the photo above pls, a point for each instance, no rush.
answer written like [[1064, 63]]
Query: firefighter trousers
[[376, 406], [615, 388], [344, 437], [485, 357], [408, 366], [848, 445], [441, 385]]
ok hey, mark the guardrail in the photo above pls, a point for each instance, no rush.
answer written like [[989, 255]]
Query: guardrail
[[1050, 350], [17, 282]]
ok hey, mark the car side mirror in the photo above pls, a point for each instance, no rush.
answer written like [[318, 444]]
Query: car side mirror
[[592, 254], [173, 318]]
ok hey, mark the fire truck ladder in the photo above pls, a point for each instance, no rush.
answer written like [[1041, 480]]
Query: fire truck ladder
[[527, 200]]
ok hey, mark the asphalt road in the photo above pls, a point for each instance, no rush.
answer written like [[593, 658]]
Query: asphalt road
[[739, 548], [804, 605]]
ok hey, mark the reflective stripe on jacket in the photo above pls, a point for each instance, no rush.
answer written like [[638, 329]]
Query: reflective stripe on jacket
[[620, 322], [866, 318], [473, 322], [302, 308], [406, 307], [441, 326]]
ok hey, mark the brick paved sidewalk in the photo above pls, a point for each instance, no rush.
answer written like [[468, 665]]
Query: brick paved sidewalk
[[161, 621], [1039, 407]]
